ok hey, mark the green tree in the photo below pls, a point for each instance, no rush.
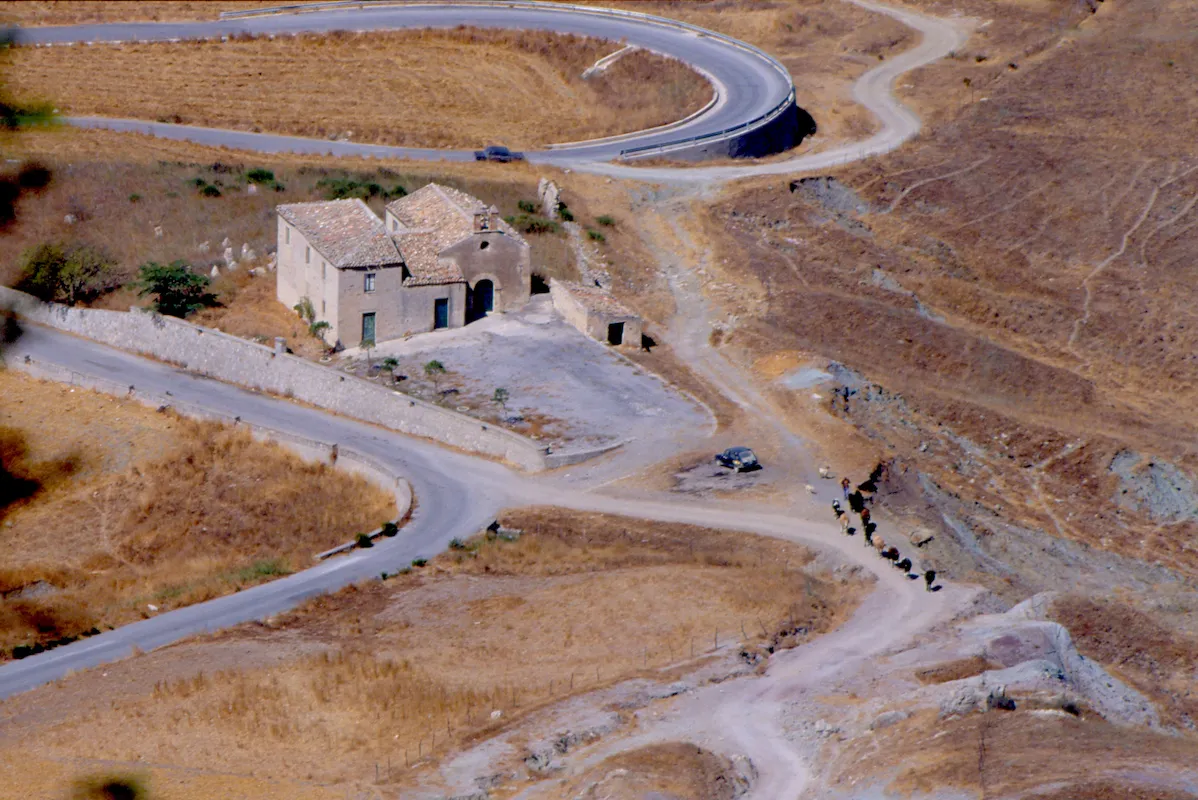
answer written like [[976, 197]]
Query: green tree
[[500, 398], [434, 371], [66, 274], [390, 363], [368, 345], [317, 329], [306, 310], [177, 291]]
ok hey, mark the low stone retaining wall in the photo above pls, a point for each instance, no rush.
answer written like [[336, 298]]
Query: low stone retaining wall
[[233, 360], [335, 455]]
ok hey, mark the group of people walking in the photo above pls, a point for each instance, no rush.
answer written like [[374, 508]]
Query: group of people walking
[[857, 505]]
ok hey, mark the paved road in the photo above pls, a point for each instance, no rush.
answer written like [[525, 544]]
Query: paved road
[[874, 90], [749, 84]]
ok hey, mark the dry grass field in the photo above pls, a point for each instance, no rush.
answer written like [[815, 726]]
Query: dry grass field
[[1018, 297], [114, 507], [419, 88], [32, 13], [387, 671]]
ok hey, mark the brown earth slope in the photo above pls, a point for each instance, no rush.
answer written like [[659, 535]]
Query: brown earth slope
[[419, 88], [125, 507], [1014, 290]]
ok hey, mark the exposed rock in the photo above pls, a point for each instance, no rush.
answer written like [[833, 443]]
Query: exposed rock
[[247, 253], [32, 591], [1158, 488], [157, 231], [228, 254], [831, 194], [887, 719], [70, 219], [550, 197], [252, 189], [204, 247], [226, 243], [215, 273]]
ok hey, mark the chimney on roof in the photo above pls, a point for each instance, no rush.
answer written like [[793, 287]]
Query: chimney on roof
[[484, 219]]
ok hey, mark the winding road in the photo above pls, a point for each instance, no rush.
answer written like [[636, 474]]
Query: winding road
[[457, 494], [749, 83]]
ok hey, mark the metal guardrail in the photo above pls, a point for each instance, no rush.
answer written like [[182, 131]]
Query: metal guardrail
[[759, 120]]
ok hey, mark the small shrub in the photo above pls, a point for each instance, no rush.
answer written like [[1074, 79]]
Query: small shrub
[[364, 541], [260, 175], [606, 220], [527, 206], [530, 223], [419, 562], [595, 236], [566, 214], [278, 187], [198, 182], [457, 544], [135, 198], [390, 529], [404, 571], [210, 191]]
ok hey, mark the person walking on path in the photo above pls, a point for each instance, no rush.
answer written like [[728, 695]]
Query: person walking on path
[[929, 578], [864, 516], [844, 487]]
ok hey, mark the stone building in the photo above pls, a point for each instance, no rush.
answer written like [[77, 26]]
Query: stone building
[[438, 259], [596, 313]]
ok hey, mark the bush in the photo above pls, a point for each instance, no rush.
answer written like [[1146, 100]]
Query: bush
[[419, 562], [364, 541], [390, 529], [606, 221], [360, 188], [527, 206], [260, 175], [566, 214], [135, 198], [176, 289], [210, 191], [66, 274], [595, 236], [531, 223], [457, 544]]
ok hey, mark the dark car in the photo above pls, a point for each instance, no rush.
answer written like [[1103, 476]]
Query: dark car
[[497, 153], [740, 459]]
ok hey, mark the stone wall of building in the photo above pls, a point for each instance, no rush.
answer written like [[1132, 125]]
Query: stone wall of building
[[227, 358], [495, 256]]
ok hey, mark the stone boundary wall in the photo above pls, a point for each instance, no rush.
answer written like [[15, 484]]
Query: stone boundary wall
[[343, 458], [227, 358]]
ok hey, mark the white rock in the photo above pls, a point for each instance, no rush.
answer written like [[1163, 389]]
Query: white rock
[[70, 219], [496, 714], [226, 242], [215, 272], [252, 189], [810, 489], [204, 247], [152, 607], [228, 254], [157, 231]]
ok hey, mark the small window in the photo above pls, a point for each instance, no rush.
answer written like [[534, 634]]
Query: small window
[[287, 234], [307, 255], [322, 308], [369, 283], [323, 268], [394, 225]]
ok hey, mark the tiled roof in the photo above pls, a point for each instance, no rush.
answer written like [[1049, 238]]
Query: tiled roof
[[345, 232], [419, 249], [594, 298], [447, 213]]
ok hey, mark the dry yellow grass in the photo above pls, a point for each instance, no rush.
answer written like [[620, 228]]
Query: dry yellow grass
[[502, 626], [30, 13], [422, 88], [137, 507]]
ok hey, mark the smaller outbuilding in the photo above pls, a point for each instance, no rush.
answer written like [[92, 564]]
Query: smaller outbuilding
[[596, 313]]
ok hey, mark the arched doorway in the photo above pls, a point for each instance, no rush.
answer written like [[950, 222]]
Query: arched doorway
[[481, 299]]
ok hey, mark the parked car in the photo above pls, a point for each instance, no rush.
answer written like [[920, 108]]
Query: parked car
[[740, 459], [497, 153]]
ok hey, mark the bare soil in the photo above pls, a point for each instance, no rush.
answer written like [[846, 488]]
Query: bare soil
[[138, 508], [1013, 300]]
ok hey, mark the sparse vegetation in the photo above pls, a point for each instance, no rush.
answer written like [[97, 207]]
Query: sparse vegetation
[[360, 188], [435, 371], [595, 236], [364, 541], [532, 223], [328, 86], [605, 220]]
